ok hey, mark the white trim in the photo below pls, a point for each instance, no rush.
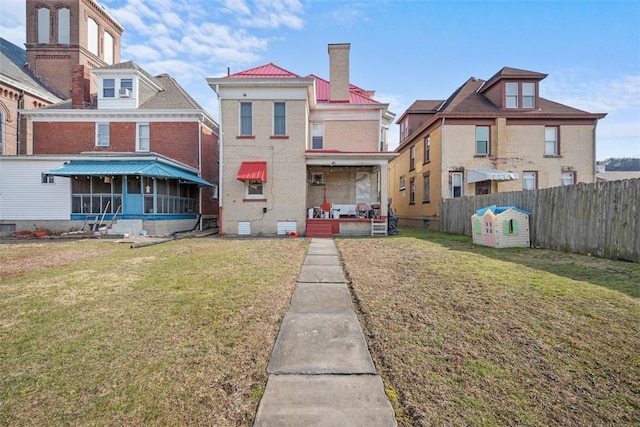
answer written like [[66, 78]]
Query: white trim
[[138, 149], [97, 128]]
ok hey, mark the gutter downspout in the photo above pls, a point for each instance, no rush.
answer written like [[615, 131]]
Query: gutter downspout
[[19, 121], [220, 163], [442, 172], [200, 169]]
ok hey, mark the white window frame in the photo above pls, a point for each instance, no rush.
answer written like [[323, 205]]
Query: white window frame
[[403, 183], [510, 98], [412, 158], [529, 180], [111, 88], [284, 119], [528, 95], [244, 132], [141, 144], [457, 180], [483, 141], [427, 149], [317, 135], [46, 178], [551, 145], [102, 138], [412, 191], [248, 194], [568, 178]]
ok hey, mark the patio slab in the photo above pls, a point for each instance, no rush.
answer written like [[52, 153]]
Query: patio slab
[[320, 344], [324, 400]]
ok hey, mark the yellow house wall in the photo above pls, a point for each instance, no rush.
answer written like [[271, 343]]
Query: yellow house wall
[[352, 135], [285, 189]]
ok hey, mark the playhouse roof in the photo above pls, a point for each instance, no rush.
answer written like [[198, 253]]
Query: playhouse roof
[[498, 210]]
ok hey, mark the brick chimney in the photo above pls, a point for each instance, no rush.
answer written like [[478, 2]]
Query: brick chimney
[[80, 86], [339, 72]]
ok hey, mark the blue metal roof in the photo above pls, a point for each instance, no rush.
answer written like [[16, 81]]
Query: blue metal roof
[[113, 167]]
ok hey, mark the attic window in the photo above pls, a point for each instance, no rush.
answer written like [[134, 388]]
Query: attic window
[[528, 95], [108, 88], [511, 95]]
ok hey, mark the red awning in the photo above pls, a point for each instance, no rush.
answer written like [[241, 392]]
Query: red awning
[[253, 171]]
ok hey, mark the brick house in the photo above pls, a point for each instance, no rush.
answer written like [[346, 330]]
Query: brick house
[[19, 89], [487, 137], [301, 154], [65, 33], [142, 151]]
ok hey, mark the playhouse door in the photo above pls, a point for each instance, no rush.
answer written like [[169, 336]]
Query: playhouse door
[[489, 232]]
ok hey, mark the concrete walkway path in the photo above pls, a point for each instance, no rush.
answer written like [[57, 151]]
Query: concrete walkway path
[[321, 372]]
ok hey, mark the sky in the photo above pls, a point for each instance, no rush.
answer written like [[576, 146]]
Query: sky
[[404, 50]]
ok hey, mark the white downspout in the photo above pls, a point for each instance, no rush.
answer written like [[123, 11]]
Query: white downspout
[[200, 207], [220, 161]]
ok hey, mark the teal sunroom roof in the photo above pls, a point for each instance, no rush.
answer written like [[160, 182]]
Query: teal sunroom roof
[[153, 169]]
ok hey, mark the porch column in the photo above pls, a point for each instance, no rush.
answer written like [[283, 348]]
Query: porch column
[[384, 187]]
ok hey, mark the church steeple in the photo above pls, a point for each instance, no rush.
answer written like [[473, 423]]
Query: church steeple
[[64, 33]]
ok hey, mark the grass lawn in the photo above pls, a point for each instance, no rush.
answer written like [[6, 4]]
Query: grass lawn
[[468, 335], [96, 333]]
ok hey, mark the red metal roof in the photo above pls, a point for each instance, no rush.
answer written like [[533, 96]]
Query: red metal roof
[[355, 93], [253, 171], [269, 70]]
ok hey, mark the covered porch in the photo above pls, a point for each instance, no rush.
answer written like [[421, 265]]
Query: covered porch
[[346, 193]]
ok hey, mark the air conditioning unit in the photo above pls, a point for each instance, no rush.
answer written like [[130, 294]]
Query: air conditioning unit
[[125, 92]]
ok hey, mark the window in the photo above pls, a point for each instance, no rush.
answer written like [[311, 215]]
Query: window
[[317, 131], [425, 189], [126, 88], [528, 95], [456, 184], [404, 129], [108, 88], [44, 21], [482, 140], [64, 26], [568, 178], [279, 119], [246, 119], [92, 36], [551, 147], [427, 149], [402, 183], [108, 48], [529, 180], [102, 134], [317, 178], [142, 143], [412, 191], [47, 179], [511, 95], [254, 190], [412, 158]]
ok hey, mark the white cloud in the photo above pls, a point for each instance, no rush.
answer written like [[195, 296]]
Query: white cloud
[[274, 14], [12, 21], [236, 6], [350, 13], [141, 53]]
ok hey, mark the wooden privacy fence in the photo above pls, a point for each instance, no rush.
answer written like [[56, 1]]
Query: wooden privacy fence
[[601, 219]]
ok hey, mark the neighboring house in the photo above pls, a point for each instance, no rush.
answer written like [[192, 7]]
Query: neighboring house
[[299, 154], [64, 33], [19, 89], [141, 150], [488, 137]]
